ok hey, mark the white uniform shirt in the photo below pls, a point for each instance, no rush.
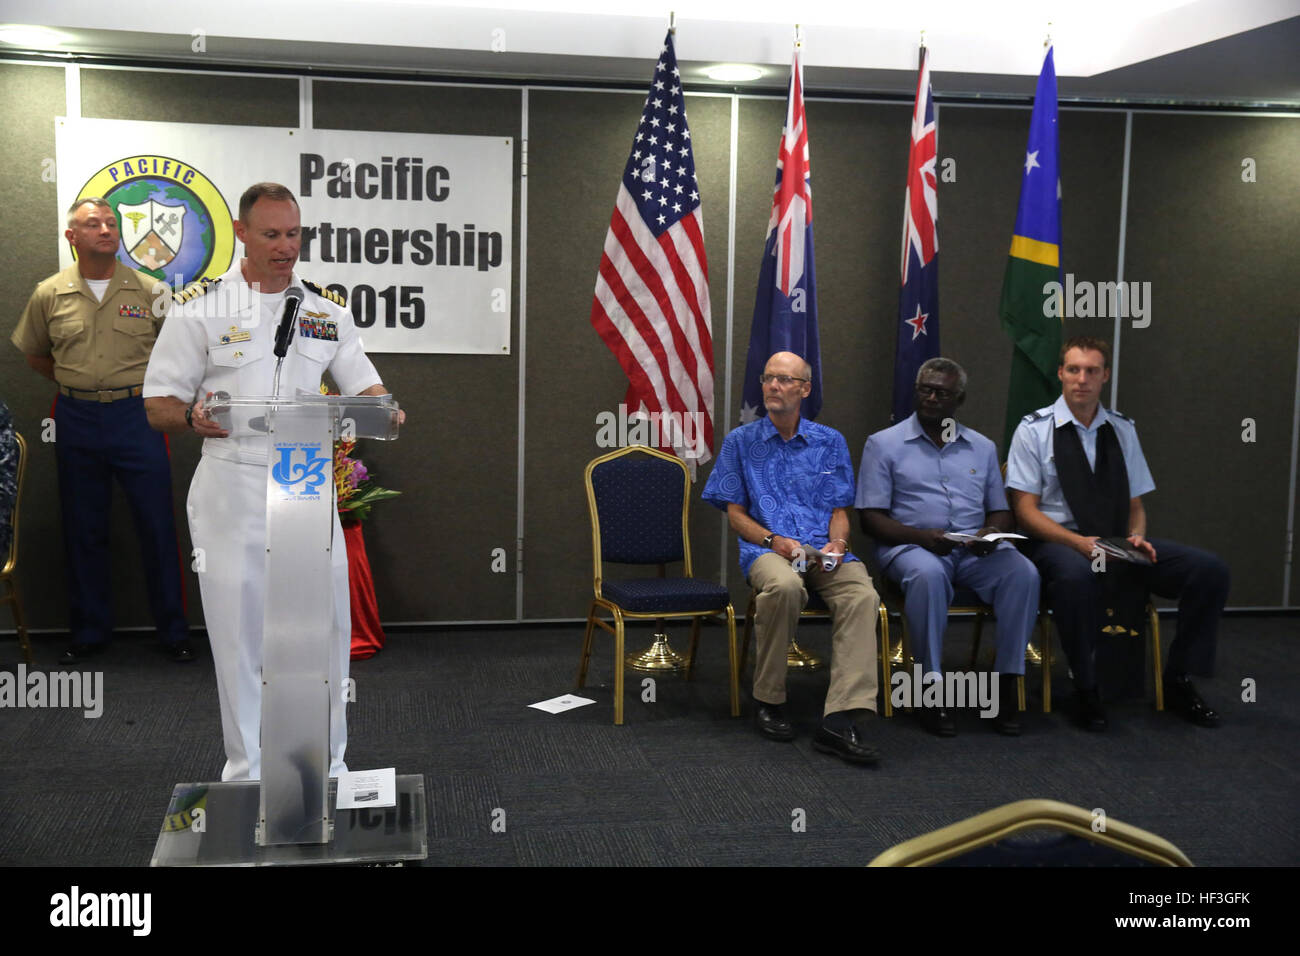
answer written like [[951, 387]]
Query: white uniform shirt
[[223, 340], [1031, 462]]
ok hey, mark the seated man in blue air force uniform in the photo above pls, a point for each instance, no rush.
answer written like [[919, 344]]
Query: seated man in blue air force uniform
[[220, 338], [1076, 473], [924, 477], [785, 481]]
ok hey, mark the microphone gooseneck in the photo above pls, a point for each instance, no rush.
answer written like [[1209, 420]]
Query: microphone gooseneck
[[292, 300]]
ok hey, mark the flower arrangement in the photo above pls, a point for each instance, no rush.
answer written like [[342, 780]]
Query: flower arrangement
[[356, 493]]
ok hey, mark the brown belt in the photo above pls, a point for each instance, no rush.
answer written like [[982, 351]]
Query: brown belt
[[104, 395]]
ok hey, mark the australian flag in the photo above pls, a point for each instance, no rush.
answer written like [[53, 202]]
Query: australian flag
[[785, 309], [918, 297]]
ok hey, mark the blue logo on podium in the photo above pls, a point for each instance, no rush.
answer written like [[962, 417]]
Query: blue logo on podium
[[309, 472]]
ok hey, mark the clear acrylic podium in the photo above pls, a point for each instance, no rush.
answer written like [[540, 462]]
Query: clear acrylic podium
[[294, 821]]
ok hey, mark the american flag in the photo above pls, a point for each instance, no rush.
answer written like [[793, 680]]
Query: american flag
[[652, 291], [918, 296], [785, 308]]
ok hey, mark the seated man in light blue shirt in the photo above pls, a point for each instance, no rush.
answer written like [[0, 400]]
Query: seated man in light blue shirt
[[921, 479], [785, 482], [1077, 474]]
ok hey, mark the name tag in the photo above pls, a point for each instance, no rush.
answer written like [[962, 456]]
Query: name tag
[[236, 334]]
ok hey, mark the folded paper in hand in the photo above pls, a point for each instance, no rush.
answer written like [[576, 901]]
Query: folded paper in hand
[[1121, 549], [805, 553], [995, 536]]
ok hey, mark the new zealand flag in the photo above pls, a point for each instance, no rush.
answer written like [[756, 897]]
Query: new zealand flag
[[918, 297]]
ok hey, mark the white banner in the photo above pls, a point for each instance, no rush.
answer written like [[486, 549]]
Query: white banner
[[414, 229]]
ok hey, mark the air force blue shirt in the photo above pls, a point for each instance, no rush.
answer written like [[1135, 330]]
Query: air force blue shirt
[[1031, 462], [924, 486], [789, 487]]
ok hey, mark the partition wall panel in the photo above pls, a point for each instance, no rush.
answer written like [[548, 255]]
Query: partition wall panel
[[33, 96], [1220, 254]]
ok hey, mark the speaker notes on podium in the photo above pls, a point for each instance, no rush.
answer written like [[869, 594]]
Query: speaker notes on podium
[[367, 788]]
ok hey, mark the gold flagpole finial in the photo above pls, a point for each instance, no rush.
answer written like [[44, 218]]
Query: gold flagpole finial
[[672, 22], [798, 37], [1048, 39]]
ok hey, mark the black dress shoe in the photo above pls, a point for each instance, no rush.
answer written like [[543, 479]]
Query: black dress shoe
[[181, 651], [938, 721], [772, 722], [1181, 697], [76, 653], [847, 743], [1007, 720], [1090, 714]]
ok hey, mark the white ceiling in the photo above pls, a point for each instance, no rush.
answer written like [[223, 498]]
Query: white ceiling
[[1203, 51]]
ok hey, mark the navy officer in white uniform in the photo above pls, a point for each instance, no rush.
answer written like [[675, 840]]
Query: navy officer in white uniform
[[1076, 473], [219, 338]]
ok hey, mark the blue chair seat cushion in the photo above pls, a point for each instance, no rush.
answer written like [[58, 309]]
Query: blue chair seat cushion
[[665, 595]]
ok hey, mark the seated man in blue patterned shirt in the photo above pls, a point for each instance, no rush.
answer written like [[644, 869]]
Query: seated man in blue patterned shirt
[[786, 482]]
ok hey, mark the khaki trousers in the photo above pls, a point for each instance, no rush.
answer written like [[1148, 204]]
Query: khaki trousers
[[854, 606]]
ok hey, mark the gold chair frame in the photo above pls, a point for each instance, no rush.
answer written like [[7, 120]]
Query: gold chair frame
[[1153, 622], [997, 824], [620, 616], [10, 593], [981, 611]]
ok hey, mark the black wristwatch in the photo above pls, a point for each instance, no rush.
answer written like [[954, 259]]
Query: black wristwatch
[[189, 416], [767, 542]]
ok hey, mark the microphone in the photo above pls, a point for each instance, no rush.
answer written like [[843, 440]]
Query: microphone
[[292, 300]]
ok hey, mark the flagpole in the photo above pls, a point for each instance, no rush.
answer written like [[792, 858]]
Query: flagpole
[[796, 657]]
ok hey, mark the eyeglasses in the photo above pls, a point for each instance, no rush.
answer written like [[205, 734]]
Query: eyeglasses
[[782, 380], [942, 394]]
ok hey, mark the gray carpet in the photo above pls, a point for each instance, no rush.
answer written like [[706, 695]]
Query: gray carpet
[[681, 783]]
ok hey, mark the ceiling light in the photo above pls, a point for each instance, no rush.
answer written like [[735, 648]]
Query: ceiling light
[[33, 38], [733, 73]]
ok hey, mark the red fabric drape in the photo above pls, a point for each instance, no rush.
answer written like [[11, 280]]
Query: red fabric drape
[[367, 634]]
